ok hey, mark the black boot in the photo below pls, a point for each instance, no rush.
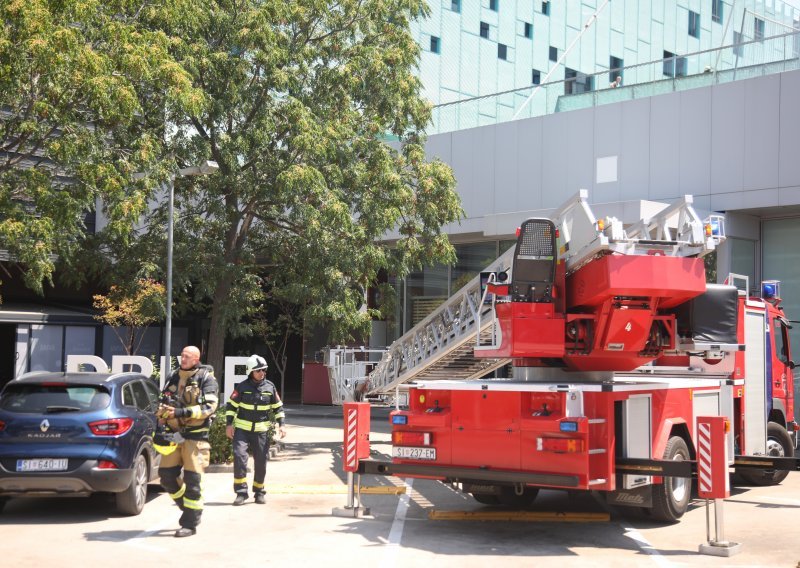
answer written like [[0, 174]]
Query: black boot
[[240, 499]]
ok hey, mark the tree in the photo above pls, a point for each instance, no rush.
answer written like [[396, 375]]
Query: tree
[[302, 98], [276, 327], [133, 309], [83, 95]]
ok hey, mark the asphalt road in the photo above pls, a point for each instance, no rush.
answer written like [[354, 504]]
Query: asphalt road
[[305, 482]]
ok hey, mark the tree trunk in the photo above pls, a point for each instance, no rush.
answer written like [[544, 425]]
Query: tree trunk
[[216, 340]]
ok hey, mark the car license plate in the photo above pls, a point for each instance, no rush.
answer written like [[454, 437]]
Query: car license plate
[[42, 464], [414, 453]]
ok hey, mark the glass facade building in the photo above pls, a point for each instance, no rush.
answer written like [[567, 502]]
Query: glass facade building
[[481, 60], [501, 60]]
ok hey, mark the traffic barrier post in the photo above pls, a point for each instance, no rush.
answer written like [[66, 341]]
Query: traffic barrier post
[[713, 481], [356, 447]]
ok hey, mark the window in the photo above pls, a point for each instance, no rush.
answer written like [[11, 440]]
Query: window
[[546, 8], [528, 30], [738, 48], [576, 82], [681, 66], [716, 11], [493, 5], [455, 5], [694, 24], [140, 396], [615, 65], [434, 44], [536, 77], [502, 51], [553, 53], [669, 64], [485, 30], [758, 29], [781, 340]]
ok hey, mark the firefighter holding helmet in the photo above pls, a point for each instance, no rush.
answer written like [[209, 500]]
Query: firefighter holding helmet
[[189, 400], [254, 406]]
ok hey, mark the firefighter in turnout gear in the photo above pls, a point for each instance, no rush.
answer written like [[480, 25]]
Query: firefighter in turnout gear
[[254, 406], [189, 400]]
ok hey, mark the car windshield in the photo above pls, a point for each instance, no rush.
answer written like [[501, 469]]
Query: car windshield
[[49, 398]]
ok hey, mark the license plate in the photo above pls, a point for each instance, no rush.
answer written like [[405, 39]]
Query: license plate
[[42, 464], [414, 453]]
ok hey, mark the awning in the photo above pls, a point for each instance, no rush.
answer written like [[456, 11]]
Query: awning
[[32, 313]]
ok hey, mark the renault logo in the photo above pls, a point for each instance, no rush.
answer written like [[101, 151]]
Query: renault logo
[[44, 425]]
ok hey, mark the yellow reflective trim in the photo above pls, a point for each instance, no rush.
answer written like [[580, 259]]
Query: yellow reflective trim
[[239, 479], [179, 493], [192, 504], [247, 406], [165, 450], [257, 485]]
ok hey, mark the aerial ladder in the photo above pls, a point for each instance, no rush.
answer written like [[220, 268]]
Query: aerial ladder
[[460, 339]]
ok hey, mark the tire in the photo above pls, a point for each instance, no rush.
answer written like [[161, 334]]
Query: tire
[[671, 498], [130, 502], [486, 499], [508, 497], [779, 444], [3, 501]]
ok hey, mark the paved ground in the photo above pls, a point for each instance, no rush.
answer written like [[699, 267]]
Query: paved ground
[[296, 525]]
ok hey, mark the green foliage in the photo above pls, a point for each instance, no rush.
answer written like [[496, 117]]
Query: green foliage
[[221, 447], [133, 308], [83, 88], [301, 95]]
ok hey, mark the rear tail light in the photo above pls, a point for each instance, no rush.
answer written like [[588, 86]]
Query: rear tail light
[[559, 445], [105, 464], [411, 438], [2, 425], [111, 427]]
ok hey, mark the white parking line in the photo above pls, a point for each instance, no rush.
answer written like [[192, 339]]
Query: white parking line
[[396, 532], [645, 546], [782, 501]]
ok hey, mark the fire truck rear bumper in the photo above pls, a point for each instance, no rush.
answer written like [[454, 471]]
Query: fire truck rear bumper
[[465, 474]]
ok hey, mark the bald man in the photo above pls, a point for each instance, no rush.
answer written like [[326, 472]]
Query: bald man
[[192, 395]]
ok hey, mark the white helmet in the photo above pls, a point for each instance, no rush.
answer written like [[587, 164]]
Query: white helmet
[[256, 363]]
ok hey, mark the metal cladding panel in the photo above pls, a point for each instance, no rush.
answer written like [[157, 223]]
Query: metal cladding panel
[[673, 279], [755, 403]]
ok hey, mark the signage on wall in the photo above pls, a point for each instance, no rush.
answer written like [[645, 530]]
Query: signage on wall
[[143, 365]]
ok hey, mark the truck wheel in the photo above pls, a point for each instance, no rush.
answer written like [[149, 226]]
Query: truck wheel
[[486, 498], [131, 501], [779, 444], [671, 498], [509, 498]]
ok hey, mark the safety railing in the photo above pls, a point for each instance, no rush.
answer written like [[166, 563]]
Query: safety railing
[[761, 56]]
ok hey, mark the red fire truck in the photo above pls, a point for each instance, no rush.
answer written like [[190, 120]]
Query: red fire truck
[[617, 345]]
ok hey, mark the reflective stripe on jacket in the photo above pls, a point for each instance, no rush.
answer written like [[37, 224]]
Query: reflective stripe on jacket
[[254, 406]]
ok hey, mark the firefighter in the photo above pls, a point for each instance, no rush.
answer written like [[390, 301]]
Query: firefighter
[[189, 400], [254, 406]]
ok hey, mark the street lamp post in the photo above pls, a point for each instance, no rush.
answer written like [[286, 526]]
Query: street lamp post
[[206, 168]]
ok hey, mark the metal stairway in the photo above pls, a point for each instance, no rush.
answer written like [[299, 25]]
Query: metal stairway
[[440, 346]]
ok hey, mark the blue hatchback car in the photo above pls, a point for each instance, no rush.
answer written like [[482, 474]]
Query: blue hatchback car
[[74, 434]]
